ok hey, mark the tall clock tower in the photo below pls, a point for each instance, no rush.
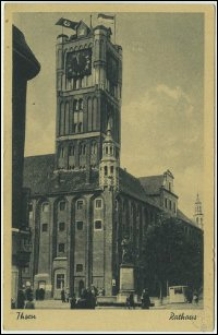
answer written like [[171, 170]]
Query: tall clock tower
[[89, 84]]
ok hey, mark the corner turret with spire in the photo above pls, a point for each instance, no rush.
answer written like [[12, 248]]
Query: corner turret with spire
[[109, 164], [198, 215]]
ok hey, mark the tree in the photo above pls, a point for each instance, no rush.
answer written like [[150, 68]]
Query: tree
[[170, 256]]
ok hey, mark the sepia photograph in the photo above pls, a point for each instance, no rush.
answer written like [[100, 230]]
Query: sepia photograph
[[109, 195]]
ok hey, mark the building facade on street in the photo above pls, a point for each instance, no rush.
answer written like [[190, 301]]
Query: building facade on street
[[83, 204], [25, 67]]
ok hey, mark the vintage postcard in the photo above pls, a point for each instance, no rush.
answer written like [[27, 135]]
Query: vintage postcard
[[109, 167]]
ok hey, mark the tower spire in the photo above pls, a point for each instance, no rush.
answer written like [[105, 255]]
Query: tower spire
[[198, 214]]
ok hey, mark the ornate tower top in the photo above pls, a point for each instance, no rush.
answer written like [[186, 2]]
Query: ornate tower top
[[198, 215]]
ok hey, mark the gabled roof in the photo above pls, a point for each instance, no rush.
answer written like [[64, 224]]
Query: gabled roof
[[152, 184]]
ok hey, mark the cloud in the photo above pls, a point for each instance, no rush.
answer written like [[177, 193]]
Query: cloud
[[162, 130]]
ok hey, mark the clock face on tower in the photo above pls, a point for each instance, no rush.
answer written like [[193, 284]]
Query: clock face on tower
[[78, 63]]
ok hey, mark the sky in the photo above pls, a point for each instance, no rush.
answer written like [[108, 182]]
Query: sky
[[162, 113]]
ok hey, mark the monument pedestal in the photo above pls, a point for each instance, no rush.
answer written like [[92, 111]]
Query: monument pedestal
[[126, 281]]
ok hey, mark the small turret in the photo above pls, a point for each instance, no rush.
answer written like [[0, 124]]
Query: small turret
[[109, 165], [198, 215]]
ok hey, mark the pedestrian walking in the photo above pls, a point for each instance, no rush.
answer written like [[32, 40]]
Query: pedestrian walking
[[73, 302], [63, 295], [146, 303]]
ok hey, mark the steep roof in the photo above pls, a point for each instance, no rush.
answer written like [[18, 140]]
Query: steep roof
[[183, 217], [152, 184], [40, 178], [132, 186]]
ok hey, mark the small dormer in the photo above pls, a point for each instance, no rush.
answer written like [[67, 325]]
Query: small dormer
[[82, 29]]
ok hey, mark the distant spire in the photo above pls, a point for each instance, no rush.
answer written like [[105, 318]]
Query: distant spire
[[109, 127], [197, 199]]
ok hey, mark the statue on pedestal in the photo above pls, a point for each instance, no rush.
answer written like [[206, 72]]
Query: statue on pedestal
[[126, 251]]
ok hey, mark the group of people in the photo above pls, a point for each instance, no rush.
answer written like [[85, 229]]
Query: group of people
[[145, 300], [25, 298], [87, 298]]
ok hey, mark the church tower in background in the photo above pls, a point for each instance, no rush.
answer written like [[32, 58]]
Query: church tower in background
[[198, 216]]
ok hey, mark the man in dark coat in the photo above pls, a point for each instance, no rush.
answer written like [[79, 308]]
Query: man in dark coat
[[146, 303], [62, 295], [21, 298]]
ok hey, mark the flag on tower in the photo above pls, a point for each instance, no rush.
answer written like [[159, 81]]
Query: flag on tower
[[66, 23], [110, 18]]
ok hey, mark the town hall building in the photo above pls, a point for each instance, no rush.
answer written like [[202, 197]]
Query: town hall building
[[83, 204]]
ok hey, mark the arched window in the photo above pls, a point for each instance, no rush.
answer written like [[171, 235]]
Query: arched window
[[45, 207], [61, 152], [94, 148], [106, 150], [72, 150], [89, 112], [95, 113], [81, 104], [62, 206], [67, 118], [80, 127], [112, 169], [105, 171], [80, 204], [75, 105], [111, 150], [82, 150], [61, 119]]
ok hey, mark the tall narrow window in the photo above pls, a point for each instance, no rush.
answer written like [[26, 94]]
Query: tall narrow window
[[98, 224], [45, 207], [67, 118], [112, 169], [166, 202], [61, 152], [61, 226], [105, 170], [62, 205], [98, 203], [80, 127], [95, 113], [79, 204], [61, 247], [72, 150], [44, 227], [93, 148], [81, 104], [89, 112], [60, 281], [61, 119]]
